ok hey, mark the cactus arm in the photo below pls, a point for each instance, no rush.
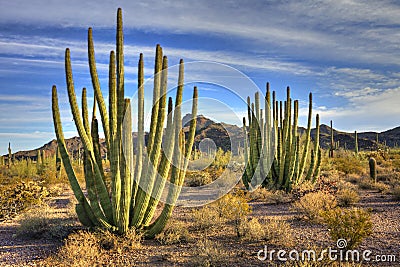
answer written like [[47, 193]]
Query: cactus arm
[[178, 174], [114, 153], [317, 167], [307, 142], [318, 149], [68, 166], [126, 157], [150, 172], [88, 146], [74, 106], [96, 87], [163, 168], [314, 155], [140, 137], [156, 96], [247, 173]]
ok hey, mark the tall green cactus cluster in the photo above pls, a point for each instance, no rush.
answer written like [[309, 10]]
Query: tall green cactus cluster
[[137, 181], [283, 165]]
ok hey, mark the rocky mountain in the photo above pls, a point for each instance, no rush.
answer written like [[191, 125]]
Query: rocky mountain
[[230, 137]]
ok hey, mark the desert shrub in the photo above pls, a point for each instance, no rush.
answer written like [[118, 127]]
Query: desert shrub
[[94, 248], [278, 232], [311, 205], [396, 192], [368, 184], [41, 222], [20, 196], [268, 196], [222, 158], [347, 197], [250, 229], [206, 218], [80, 249], [232, 206], [175, 232], [210, 254], [118, 243], [353, 178], [349, 164], [353, 225], [198, 178], [274, 231]]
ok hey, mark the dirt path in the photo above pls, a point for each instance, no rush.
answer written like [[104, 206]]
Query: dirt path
[[20, 251], [384, 241]]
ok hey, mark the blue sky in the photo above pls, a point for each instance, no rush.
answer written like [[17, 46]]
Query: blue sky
[[346, 52]]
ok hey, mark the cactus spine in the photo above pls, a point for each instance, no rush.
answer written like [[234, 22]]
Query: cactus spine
[[135, 189], [288, 160], [372, 168]]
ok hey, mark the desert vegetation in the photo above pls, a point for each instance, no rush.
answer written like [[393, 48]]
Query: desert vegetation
[[94, 208]]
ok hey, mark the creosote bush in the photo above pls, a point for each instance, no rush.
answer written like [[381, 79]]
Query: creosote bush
[[210, 254], [311, 205], [41, 222], [396, 192], [230, 208], [269, 196], [353, 225], [198, 178], [20, 196], [175, 232], [347, 197], [274, 231], [95, 248]]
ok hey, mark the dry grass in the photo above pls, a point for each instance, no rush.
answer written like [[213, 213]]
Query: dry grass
[[98, 248], [311, 205], [43, 222], [208, 253], [347, 197], [268, 196], [175, 232]]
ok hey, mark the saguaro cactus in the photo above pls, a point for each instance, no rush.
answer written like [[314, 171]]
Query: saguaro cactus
[[288, 160], [135, 190], [332, 148], [372, 168], [9, 155], [355, 143]]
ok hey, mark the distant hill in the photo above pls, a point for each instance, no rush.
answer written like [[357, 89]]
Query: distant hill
[[227, 136]]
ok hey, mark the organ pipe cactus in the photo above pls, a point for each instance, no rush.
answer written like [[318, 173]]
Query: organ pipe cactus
[[136, 188], [283, 165], [58, 163]]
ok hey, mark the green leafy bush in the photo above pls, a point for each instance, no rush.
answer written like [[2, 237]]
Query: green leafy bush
[[353, 225]]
